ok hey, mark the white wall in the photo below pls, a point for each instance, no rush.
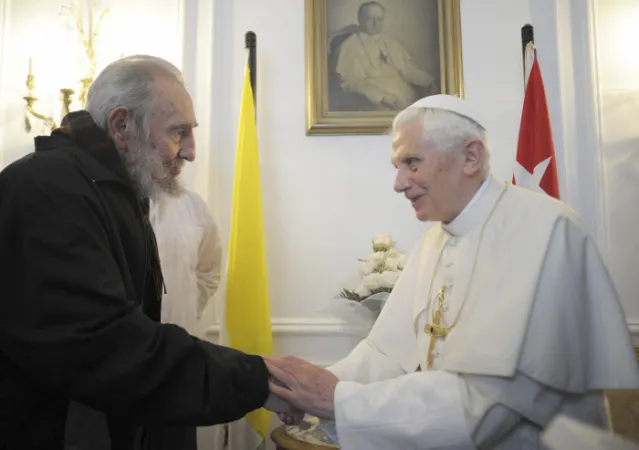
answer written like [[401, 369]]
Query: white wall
[[617, 69]]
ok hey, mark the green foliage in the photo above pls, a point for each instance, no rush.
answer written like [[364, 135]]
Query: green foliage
[[351, 295]]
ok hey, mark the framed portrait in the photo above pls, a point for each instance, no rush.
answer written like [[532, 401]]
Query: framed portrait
[[367, 60]]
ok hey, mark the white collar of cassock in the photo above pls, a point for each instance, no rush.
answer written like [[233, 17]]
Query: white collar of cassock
[[476, 211], [370, 38]]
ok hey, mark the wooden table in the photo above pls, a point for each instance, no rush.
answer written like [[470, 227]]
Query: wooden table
[[622, 408], [285, 442]]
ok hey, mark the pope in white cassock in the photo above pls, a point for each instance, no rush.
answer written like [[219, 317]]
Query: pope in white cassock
[[376, 66], [504, 316]]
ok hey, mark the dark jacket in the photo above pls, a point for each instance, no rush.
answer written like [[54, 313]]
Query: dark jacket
[[78, 272]]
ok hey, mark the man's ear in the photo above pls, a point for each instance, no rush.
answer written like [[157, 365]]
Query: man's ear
[[474, 156], [119, 120]]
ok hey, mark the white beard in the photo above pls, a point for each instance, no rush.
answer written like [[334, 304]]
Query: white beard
[[148, 172]]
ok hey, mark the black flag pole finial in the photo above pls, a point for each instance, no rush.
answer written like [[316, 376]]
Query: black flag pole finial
[[250, 43], [527, 34], [527, 37]]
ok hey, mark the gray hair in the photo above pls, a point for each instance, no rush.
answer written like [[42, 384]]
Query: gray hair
[[446, 130], [129, 83]]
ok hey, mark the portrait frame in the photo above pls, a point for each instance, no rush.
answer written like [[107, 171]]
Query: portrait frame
[[321, 121]]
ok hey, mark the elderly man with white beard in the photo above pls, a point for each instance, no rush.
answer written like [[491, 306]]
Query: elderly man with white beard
[[504, 316], [83, 358]]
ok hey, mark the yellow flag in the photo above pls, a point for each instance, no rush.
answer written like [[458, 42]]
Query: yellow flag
[[248, 314]]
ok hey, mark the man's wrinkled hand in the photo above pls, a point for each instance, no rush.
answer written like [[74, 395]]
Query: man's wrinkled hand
[[278, 405], [304, 385], [286, 412]]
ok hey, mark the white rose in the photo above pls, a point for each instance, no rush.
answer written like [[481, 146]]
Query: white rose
[[362, 291], [372, 281], [388, 279], [382, 241], [377, 257], [392, 264], [392, 253], [367, 267]]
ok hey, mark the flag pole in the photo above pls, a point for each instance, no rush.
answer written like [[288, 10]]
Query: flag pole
[[527, 49], [250, 43]]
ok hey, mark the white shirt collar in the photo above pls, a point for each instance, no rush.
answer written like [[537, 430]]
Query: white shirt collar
[[370, 38], [477, 210]]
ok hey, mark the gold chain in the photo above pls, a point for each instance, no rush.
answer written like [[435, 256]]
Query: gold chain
[[472, 272]]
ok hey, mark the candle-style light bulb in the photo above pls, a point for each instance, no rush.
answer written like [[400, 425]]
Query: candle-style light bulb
[[30, 65]]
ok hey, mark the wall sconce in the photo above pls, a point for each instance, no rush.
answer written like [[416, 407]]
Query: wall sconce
[[87, 38]]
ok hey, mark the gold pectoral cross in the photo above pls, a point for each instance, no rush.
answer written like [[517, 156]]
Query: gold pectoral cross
[[437, 329]]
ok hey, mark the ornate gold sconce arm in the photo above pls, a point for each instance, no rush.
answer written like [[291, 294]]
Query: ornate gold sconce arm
[[48, 121], [30, 100]]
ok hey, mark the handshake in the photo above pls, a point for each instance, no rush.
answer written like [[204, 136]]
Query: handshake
[[299, 387]]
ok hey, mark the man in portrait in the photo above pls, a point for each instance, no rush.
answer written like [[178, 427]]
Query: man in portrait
[[375, 67]]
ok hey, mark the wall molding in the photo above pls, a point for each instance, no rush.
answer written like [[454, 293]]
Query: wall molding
[[304, 326], [309, 326]]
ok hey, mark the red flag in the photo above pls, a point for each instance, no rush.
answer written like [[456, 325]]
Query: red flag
[[536, 165]]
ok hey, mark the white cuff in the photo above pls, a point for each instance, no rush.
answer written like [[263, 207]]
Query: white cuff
[[419, 410]]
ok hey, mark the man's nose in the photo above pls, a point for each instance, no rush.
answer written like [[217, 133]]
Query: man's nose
[[188, 151], [401, 182]]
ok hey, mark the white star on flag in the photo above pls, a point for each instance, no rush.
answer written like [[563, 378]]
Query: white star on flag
[[532, 180]]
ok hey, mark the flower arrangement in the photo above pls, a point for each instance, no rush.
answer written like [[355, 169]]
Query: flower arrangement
[[379, 270]]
